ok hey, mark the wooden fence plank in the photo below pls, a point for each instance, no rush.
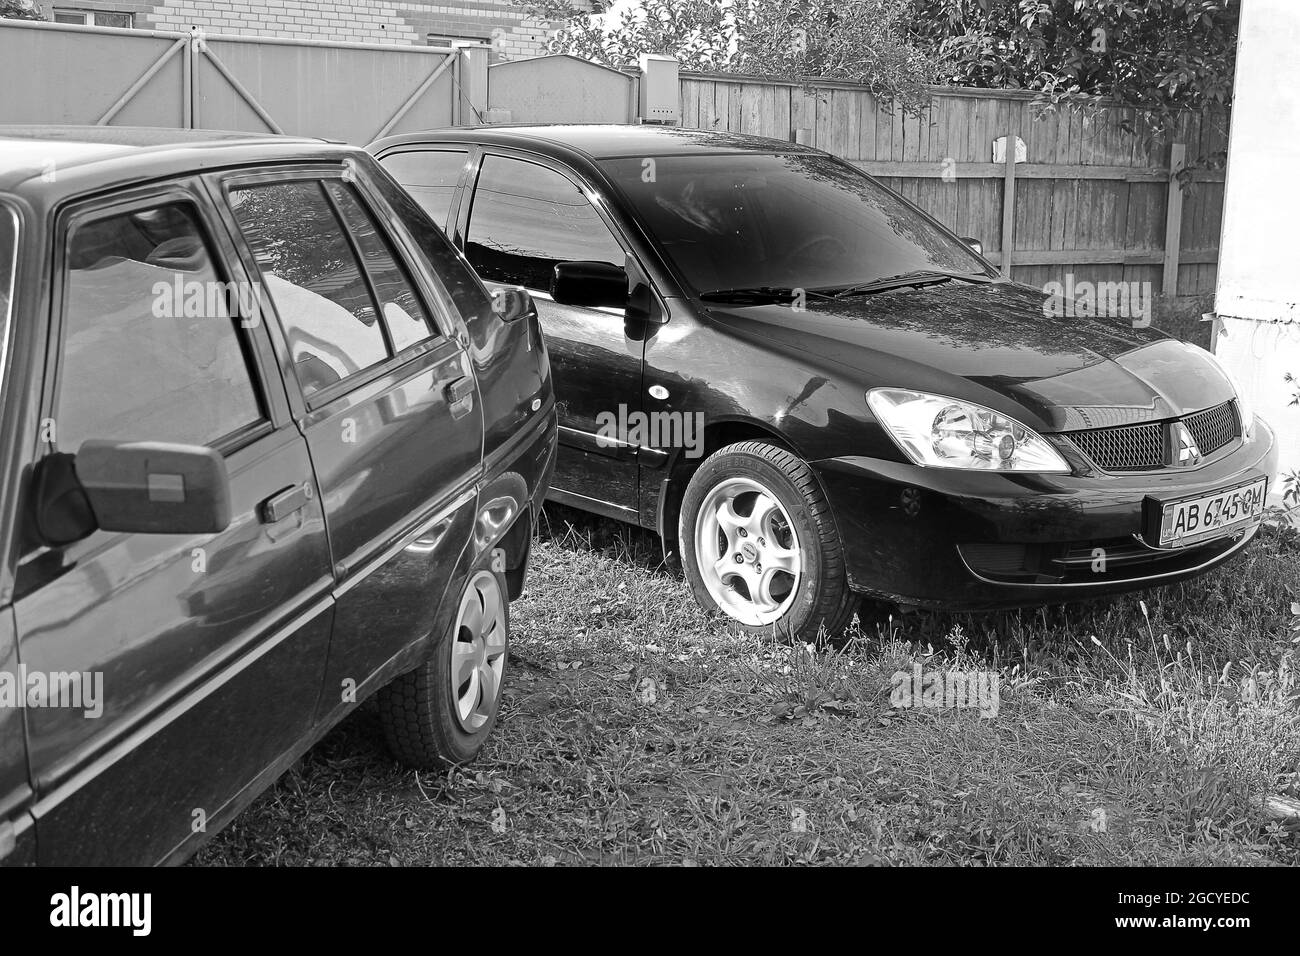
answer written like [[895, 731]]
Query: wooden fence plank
[[1173, 221], [1012, 129]]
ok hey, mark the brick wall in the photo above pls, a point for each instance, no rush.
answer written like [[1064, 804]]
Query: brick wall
[[499, 22]]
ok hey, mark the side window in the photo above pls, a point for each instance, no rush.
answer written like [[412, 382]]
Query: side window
[[526, 218], [151, 350], [430, 175], [450, 271], [314, 279], [405, 317]]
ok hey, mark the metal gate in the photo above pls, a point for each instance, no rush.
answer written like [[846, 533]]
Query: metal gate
[[562, 89], [355, 92]]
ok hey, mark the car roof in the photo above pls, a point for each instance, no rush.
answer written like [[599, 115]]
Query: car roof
[[603, 141], [34, 156]]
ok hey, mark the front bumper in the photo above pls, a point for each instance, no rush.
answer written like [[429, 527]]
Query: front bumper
[[965, 540]]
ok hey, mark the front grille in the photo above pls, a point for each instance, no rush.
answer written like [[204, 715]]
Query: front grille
[[1145, 447], [1215, 427], [1129, 448]]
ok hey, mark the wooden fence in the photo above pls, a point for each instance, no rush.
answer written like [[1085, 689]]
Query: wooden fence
[[1087, 200]]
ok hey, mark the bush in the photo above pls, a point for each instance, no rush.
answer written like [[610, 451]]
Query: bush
[[1161, 56], [20, 10]]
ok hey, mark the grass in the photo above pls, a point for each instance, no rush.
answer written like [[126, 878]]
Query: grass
[[637, 729]]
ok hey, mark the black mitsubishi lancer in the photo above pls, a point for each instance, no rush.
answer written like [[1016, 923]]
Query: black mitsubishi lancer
[[813, 391]]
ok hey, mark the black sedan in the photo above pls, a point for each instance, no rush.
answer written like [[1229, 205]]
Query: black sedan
[[814, 391]]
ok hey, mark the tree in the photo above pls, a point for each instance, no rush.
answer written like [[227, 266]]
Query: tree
[[20, 10], [862, 41], [1160, 56]]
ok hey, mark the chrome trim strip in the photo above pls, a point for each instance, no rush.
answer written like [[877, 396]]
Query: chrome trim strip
[[1113, 582], [582, 501], [6, 320]]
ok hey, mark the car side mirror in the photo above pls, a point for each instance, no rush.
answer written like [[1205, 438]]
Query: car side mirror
[[155, 487], [60, 512], [512, 303], [591, 284], [975, 244]]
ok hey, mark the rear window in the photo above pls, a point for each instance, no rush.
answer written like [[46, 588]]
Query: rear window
[[311, 273]]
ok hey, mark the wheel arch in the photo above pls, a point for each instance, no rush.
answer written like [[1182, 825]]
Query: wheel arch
[[717, 434]]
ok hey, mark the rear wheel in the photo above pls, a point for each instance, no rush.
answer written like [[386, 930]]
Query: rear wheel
[[758, 543], [443, 711]]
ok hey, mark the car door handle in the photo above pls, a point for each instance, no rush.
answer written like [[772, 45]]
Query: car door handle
[[460, 396], [284, 503]]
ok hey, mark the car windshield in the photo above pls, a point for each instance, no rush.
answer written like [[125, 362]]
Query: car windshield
[[755, 221], [8, 267]]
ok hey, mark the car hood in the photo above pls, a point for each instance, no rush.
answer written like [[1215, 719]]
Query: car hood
[[982, 342]]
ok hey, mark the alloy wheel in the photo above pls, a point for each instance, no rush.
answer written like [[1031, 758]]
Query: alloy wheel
[[749, 555], [478, 653]]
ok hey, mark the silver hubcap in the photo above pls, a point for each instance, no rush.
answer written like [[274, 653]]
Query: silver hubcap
[[478, 652], [748, 552]]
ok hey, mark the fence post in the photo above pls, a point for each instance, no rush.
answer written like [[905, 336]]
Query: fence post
[[1173, 219], [187, 84], [1009, 194], [473, 92]]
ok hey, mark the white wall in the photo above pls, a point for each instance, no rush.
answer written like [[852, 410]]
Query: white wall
[[1258, 294]]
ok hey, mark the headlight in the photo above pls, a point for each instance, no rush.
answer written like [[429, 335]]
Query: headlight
[[1244, 406], [947, 433]]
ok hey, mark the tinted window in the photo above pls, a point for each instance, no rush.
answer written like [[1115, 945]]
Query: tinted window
[[453, 281], [314, 279], [526, 218], [151, 351], [430, 176], [745, 220], [405, 317]]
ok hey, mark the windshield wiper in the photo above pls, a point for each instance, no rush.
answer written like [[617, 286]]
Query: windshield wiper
[[904, 280], [760, 294]]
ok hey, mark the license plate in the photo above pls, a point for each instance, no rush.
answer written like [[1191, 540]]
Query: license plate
[[1219, 513]]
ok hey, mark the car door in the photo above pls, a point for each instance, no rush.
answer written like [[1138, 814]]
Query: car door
[[386, 396], [524, 216], [17, 833], [192, 662]]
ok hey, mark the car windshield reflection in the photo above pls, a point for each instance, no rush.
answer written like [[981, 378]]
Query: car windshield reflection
[[764, 221]]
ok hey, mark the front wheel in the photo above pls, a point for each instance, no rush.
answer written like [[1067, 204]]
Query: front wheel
[[443, 711], [758, 543]]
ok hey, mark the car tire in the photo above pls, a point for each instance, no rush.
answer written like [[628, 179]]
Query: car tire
[[753, 502], [442, 712]]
